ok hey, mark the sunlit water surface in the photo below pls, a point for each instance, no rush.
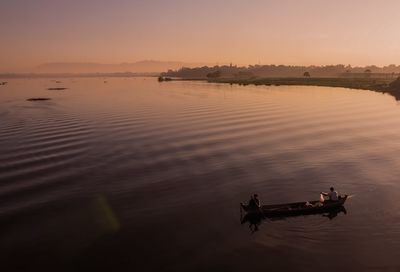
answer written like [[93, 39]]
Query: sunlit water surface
[[135, 175]]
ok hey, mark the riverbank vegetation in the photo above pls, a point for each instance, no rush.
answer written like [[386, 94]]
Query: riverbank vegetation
[[382, 79]]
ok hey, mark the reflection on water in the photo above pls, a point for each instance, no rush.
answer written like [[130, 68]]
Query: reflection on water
[[254, 220], [148, 176]]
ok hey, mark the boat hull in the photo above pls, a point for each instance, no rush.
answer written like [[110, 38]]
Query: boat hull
[[298, 208]]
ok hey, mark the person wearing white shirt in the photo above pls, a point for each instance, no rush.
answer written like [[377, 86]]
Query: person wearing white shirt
[[333, 195]]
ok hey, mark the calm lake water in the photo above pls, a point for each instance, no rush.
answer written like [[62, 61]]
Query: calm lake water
[[135, 175]]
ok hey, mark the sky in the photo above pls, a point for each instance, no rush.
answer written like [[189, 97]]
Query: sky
[[242, 32]]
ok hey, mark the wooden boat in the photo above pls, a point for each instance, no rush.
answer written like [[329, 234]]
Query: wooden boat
[[297, 208]]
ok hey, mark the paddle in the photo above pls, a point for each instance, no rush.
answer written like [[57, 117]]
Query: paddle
[[241, 214]]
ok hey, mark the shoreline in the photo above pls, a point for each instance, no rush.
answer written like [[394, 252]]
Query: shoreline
[[383, 85]]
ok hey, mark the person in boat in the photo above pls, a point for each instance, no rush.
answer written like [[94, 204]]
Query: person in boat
[[254, 202], [333, 195]]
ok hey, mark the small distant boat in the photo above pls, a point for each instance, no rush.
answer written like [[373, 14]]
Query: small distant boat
[[297, 208]]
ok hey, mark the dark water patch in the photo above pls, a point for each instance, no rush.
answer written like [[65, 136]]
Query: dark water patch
[[57, 88], [38, 99]]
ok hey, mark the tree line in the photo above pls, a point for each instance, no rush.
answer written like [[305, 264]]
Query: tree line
[[339, 70]]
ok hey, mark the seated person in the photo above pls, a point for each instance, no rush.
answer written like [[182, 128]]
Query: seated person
[[254, 202], [333, 195]]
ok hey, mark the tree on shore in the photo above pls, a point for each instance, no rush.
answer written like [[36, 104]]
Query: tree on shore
[[306, 74], [215, 74]]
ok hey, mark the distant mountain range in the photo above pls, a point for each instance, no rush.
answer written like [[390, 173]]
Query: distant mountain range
[[147, 66]]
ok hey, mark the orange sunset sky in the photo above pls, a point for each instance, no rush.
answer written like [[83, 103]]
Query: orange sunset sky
[[299, 32]]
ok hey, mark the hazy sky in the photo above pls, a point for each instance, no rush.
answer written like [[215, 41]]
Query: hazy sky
[[357, 32]]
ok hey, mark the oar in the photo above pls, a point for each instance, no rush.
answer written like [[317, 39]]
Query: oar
[[241, 215]]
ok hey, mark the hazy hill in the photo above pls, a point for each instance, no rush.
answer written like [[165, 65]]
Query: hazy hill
[[147, 66]]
